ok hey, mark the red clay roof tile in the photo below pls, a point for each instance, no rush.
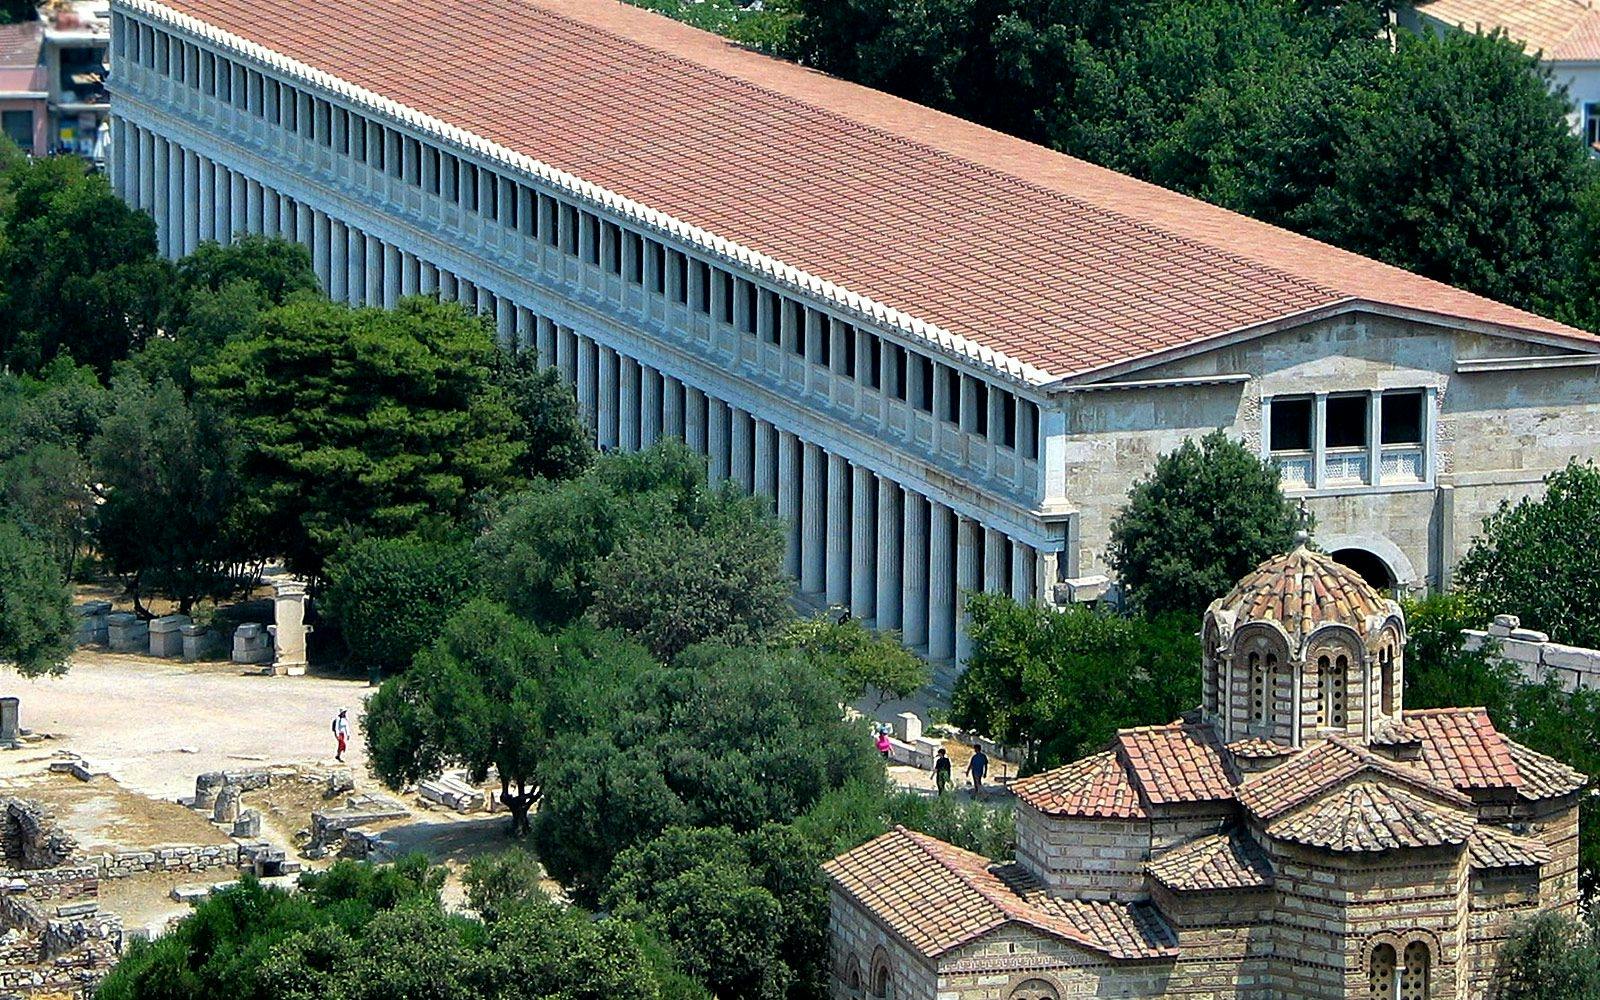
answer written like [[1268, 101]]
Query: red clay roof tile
[[1049, 260]]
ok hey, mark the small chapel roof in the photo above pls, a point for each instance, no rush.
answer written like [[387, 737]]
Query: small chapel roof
[[1328, 765], [1461, 747], [938, 897], [1096, 786], [1229, 860], [1374, 815], [1302, 589], [1496, 847]]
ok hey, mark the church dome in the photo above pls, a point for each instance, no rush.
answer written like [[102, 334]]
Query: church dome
[[1301, 591]]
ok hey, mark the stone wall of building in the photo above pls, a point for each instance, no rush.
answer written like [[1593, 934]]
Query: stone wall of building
[[1084, 858], [1511, 431], [29, 836], [857, 939]]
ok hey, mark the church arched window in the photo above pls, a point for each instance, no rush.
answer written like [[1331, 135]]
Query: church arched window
[[1034, 989], [1324, 670], [1386, 678], [1336, 691], [880, 974], [1258, 688], [1414, 972], [1381, 973]]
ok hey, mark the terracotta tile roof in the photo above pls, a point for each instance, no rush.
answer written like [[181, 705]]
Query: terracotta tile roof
[[1179, 762], [1560, 29], [1257, 748], [1495, 847], [1301, 590], [1373, 816], [1543, 777], [1096, 786], [1395, 732], [938, 897], [1228, 860], [1461, 748], [1053, 262], [21, 68], [1328, 765]]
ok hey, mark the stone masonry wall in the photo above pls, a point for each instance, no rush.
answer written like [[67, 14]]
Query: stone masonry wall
[[29, 836], [856, 936], [1084, 858]]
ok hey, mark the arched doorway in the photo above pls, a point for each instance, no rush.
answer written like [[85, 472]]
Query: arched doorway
[[1372, 568]]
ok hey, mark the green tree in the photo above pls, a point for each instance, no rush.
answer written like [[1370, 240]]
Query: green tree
[[556, 444], [722, 737], [862, 659], [390, 597], [170, 521], [716, 573], [746, 913], [79, 273], [1440, 672], [1207, 515], [36, 623], [493, 691], [362, 421], [1532, 558], [1550, 956], [45, 482], [1059, 684], [280, 268], [855, 813]]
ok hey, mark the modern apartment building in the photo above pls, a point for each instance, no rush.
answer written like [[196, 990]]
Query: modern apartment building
[[946, 353]]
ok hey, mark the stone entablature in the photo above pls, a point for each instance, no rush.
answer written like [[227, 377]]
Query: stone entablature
[[1386, 857]]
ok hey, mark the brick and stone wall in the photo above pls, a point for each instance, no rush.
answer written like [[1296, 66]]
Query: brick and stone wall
[[856, 938], [1084, 858], [29, 836]]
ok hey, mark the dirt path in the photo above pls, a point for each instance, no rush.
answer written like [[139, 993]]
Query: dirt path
[[155, 724]]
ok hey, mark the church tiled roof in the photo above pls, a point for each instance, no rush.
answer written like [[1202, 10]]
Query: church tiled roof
[[1301, 590], [1462, 747], [1495, 847], [1096, 786], [938, 897], [1178, 762], [1373, 816], [1228, 860], [1325, 766]]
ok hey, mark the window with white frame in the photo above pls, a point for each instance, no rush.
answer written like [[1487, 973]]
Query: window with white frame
[[1375, 438]]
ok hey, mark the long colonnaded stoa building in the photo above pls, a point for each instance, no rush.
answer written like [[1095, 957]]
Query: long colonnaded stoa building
[[946, 353]]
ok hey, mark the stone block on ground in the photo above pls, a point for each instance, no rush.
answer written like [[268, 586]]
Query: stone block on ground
[[200, 642], [252, 644], [166, 636], [340, 780], [226, 809], [126, 633], [328, 825], [206, 788], [85, 771], [452, 792], [92, 627], [248, 824], [190, 893], [908, 726]]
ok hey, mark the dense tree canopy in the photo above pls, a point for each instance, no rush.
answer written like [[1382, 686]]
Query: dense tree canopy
[[1059, 684], [1207, 515], [377, 933], [1549, 957], [46, 484], [390, 597], [356, 421], [724, 737], [36, 622], [79, 273], [864, 661], [1534, 559]]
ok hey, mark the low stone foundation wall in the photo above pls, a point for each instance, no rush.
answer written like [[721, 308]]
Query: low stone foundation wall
[[56, 939], [179, 858], [29, 836]]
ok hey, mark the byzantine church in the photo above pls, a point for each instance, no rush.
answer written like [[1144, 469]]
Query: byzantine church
[[1300, 835]]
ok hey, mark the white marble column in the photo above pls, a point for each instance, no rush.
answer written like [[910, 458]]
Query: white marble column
[[914, 569], [740, 467], [410, 274], [356, 261], [222, 202], [941, 582], [1021, 572], [838, 529], [996, 563], [149, 171], [208, 200], [372, 288], [161, 173], [628, 400], [523, 335], [191, 202], [649, 407], [428, 283], [694, 419], [239, 206], [717, 439], [588, 381], [338, 261], [567, 356], [286, 216], [319, 248], [813, 520], [252, 205], [786, 491], [765, 482], [863, 540], [269, 211], [673, 407], [607, 399], [393, 274], [968, 582], [887, 613], [546, 336]]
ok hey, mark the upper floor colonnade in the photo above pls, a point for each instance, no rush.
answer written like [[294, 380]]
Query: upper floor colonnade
[[907, 477]]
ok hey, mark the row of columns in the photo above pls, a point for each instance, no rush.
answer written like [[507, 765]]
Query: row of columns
[[855, 538]]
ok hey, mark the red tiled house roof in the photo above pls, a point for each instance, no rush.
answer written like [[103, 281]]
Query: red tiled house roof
[[938, 897], [1301, 590], [1044, 265], [1220, 861], [1369, 816], [1461, 747]]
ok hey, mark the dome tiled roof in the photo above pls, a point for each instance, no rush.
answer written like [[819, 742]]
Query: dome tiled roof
[[1301, 590]]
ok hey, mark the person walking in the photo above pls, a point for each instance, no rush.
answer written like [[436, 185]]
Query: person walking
[[977, 768], [341, 734], [941, 771], [884, 746]]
